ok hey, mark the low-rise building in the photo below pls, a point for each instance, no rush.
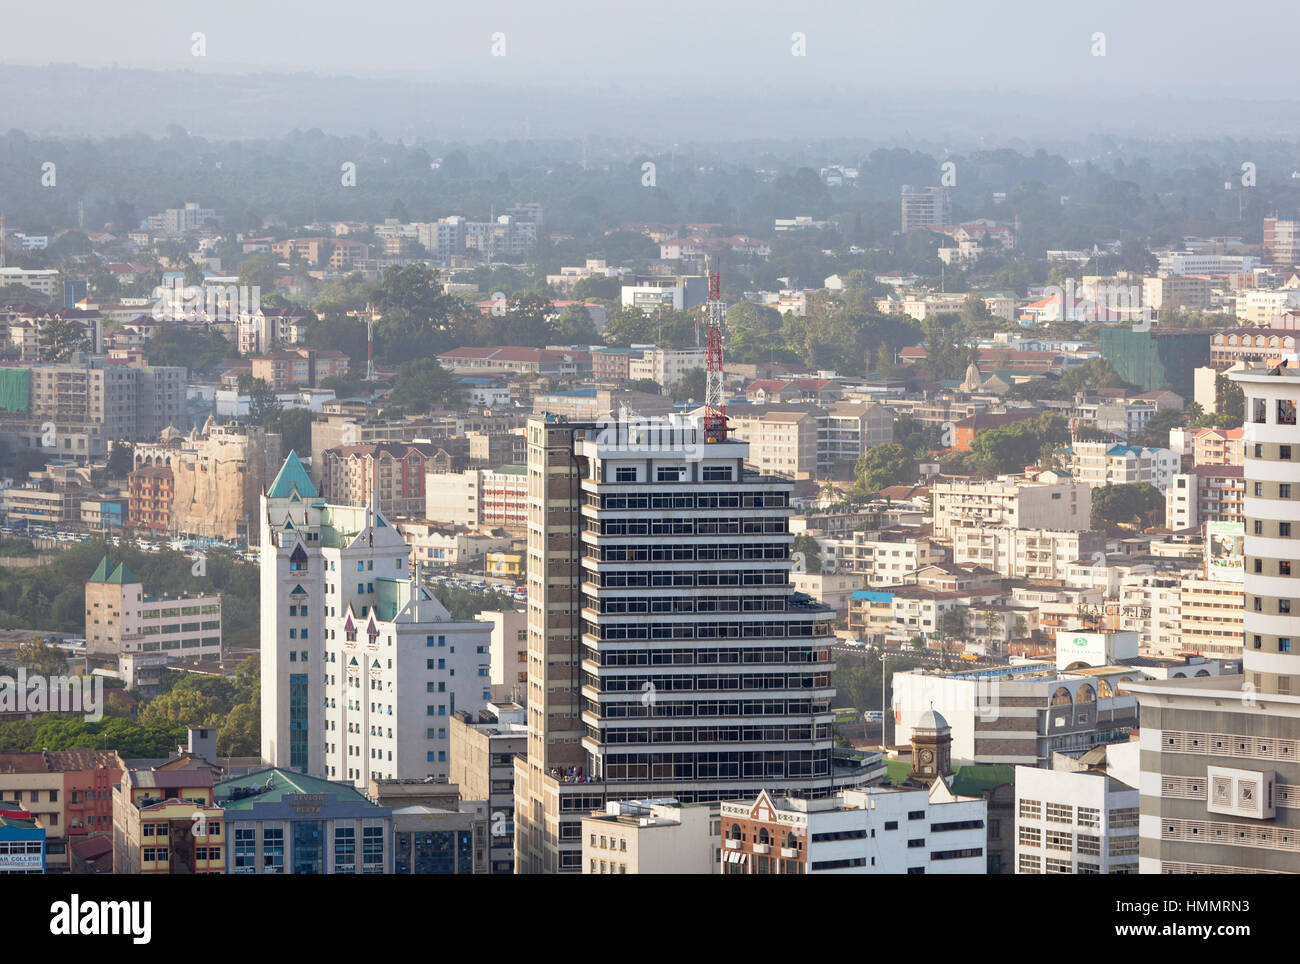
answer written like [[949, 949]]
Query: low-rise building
[[660, 836], [1080, 816], [69, 793], [165, 822], [284, 822], [871, 830]]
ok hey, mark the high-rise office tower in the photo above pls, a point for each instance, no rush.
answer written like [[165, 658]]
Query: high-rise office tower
[[362, 669], [1220, 785], [668, 654]]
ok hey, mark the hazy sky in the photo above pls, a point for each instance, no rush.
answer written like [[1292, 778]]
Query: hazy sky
[[1190, 48]]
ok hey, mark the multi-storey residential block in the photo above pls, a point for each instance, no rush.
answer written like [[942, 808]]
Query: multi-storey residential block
[[389, 475], [354, 651], [1024, 553], [1250, 345], [1047, 502], [1105, 463], [1218, 446], [847, 429], [658, 572], [1282, 241], [491, 498], [150, 492], [1186, 292], [781, 443], [1208, 493], [928, 207], [665, 366]]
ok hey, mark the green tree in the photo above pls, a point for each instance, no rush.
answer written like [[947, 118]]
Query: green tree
[[260, 270], [884, 465], [954, 622], [121, 459], [423, 383], [1136, 504], [690, 386], [60, 339], [294, 427], [41, 657], [806, 546]]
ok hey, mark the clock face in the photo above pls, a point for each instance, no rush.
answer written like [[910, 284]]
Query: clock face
[[926, 756]]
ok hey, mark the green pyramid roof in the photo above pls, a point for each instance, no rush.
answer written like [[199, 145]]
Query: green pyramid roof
[[292, 476], [101, 571], [122, 575]]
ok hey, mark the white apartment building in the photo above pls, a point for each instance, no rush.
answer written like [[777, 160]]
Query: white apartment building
[[1150, 604], [1105, 463], [1212, 616], [1048, 502], [42, 280], [1079, 817], [782, 443], [361, 666], [666, 366], [1262, 307], [1025, 553], [868, 830], [1180, 263], [885, 559], [847, 429], [478, 497]]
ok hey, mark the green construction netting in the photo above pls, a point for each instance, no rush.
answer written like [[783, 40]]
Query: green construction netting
[[14, 389]]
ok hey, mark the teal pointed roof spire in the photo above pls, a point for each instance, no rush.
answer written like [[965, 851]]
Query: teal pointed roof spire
[[290, 477], [122, 575], [101, 571]]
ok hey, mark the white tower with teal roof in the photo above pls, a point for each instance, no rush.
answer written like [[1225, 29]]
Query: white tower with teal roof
[[361, 666]]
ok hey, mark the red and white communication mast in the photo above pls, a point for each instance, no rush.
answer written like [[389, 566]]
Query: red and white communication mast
[[715, 399]]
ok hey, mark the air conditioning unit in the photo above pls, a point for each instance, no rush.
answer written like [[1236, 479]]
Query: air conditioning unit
[[1241, 793]]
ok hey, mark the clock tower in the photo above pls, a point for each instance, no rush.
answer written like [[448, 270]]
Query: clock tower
[[931, 748]]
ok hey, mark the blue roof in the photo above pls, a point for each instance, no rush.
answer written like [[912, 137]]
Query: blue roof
[[873, 595], [292, 476]]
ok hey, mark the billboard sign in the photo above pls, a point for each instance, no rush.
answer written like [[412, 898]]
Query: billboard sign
[[1225, 551]]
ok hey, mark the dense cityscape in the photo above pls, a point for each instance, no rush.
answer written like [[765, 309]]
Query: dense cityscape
[[357, 490]]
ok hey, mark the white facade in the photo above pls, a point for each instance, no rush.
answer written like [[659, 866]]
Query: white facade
[[1020, 503], [870, 830], [361, 667], [1103, 463], [1076, 822]]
